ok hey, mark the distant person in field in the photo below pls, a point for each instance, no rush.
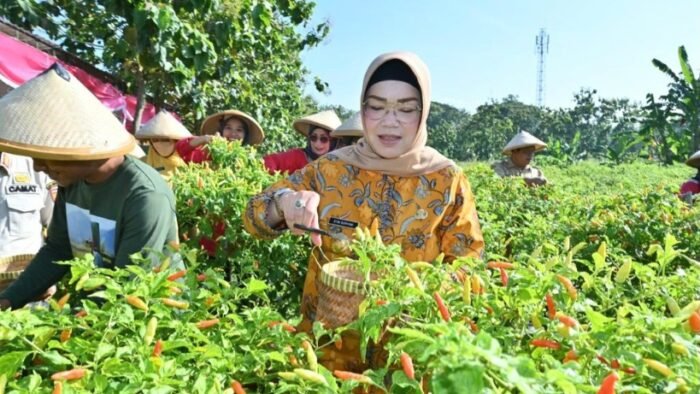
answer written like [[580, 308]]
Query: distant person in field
[[231, 125], [389, 181], [520, 151], [349, 132], [691, 187], [316, 129], [162, 133]]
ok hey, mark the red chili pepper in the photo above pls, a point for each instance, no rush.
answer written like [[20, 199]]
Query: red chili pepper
[[407, 365], [204, 324], [177, 275], [570, 288], [551, 306], [694, 322], [62, 301], [345, 375], [81, 313], [136, 302], [504, 277], [71, 374], [381, 302], [57, 387], [608, 385], [629, 370], [473, 326], [614, 364], [444, 312], [546, 343], [237, 387], [157, 348], [602, 359], [570, 356], [201, 277], [65, 335], [499, 265], [175, 303], [567, 320], [285, 326]]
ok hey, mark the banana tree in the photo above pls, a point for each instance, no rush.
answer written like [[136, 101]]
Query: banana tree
[[683, 97]]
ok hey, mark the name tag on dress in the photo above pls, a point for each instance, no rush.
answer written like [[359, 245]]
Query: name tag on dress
[[22, 188], [343, 223]]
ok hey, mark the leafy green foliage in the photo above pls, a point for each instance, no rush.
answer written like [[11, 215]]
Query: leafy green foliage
[[585, 226], [197, 56], [214, 195], [672, 126]]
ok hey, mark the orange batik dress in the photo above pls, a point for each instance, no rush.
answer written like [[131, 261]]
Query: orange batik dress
[[427, 215]]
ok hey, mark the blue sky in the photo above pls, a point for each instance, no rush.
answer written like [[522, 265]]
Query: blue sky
[[483, 50]]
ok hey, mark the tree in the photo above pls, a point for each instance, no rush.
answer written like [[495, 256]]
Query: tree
[[444, 125], [683, 97], [196, 55]]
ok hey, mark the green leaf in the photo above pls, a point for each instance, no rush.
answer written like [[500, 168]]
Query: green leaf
[[685, 67], [103, 350], [11, 362], [255, 286], [463, 379], [55, 358]]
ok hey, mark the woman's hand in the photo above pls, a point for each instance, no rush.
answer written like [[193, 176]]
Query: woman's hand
[[301, 208]]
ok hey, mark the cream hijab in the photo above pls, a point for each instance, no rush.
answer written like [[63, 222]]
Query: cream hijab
[[420, 159]]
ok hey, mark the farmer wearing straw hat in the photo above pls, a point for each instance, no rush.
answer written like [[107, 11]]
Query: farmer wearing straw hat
[[389, 181], [691, 187], [109, 204], [317, 130], [232, 125], [349, 132], [26, 205], [520, 151], [162, 132]]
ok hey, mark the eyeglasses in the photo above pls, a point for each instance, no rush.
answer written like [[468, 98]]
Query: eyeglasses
[[405, 112], [324, 139]]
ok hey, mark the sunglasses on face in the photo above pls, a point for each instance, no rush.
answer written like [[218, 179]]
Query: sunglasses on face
[[322, 138]]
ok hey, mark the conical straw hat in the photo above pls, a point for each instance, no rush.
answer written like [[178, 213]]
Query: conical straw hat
[[327, 120], [163, 125], [53, 116], [694, 160], [522, 140], [211, 125], [352, 127]]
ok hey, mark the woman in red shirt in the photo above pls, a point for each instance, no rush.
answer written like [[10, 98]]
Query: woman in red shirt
[[691, 187], [317, 130], [230, 124]]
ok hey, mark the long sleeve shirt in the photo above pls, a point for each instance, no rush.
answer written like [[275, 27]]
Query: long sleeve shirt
[[427, 215]]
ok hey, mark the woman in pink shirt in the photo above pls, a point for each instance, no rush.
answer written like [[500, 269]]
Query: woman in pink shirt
[[317, 130], [691, 187]]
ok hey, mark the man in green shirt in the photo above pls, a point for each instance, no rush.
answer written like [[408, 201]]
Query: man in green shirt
[[108, 204]]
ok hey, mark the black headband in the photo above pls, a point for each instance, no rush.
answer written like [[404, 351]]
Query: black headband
[[394, 70]]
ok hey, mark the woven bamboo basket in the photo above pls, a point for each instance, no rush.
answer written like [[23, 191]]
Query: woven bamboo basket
[[11, 267], [340, 292]]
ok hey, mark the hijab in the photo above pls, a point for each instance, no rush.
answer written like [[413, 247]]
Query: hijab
[[420, 159]]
